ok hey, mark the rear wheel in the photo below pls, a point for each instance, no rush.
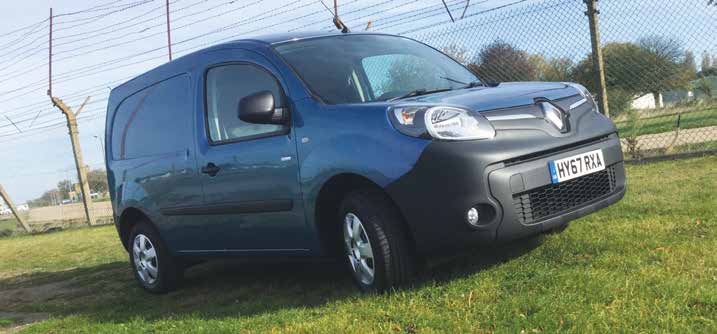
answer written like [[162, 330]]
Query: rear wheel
[[154, 267], [377, 248]]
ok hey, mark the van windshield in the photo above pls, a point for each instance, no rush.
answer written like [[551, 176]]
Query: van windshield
[[366, 68]]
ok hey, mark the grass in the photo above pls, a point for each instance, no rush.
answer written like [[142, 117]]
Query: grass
[[705, 147], [660, 124], [7, 226], [647, 264]]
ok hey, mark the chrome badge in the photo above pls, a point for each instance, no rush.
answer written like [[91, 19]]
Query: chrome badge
[[554, 116]]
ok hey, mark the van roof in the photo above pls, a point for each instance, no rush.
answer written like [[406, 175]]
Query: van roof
[[267, 39]]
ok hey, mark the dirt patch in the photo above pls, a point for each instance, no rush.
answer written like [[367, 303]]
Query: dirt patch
[[36, 294], [18, 321]]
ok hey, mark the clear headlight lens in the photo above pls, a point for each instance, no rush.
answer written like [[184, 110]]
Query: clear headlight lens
[[444, 123]]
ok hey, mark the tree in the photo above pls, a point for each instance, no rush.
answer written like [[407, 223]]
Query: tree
[[703, 86], [458, 53], [622, 68], [98, 181], [48, 198], [706, 62], [653, 65], [553, 69], [690, 64], [64, 188], [500, 61], [663, 61], [406, 74]]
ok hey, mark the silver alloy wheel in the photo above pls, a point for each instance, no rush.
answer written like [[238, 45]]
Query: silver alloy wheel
[[358, 249], [145, 259]]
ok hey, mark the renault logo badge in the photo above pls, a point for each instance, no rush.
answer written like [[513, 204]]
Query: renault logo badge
[[554, 116]]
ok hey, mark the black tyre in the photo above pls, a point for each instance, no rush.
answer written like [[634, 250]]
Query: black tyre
[[378, 251], [154, 267]]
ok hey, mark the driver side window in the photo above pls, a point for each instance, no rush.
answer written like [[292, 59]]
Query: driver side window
[[226, 85]]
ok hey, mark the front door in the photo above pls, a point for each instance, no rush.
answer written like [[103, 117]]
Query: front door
[[249, 171]]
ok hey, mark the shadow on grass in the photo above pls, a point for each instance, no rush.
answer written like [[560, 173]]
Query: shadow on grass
[[220, 288]]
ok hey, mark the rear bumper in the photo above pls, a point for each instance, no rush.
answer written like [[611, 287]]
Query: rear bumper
[[449, 179]]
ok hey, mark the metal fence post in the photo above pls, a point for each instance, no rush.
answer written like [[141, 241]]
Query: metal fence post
[[10, 203], [598, 65]]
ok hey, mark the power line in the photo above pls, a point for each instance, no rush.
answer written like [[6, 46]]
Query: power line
[[100, 8], [89, 20], [89, 70], [147, 29], [23, 28]]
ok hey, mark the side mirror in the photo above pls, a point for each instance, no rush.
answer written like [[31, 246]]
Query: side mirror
[[258, 108]]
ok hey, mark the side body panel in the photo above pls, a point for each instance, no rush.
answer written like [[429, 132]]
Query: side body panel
[[156, 182], [253, 204]]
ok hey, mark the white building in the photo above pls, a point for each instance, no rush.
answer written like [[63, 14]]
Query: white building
[[647, 101]]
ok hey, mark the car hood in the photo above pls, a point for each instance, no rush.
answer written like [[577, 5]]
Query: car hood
[[505, 95]]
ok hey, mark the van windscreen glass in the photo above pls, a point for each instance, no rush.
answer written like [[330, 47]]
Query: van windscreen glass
[[366, 68]]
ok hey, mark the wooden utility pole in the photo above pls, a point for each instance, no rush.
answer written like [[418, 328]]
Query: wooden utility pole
[[49, 63], [169, 32], [598, 65], [79, 161], [11, 204]]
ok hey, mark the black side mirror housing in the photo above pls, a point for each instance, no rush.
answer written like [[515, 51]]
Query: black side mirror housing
[[259, 108]]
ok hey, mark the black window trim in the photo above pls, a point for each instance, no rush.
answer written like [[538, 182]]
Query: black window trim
[[285, 130]]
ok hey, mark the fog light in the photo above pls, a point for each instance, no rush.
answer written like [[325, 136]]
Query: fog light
[[472, 216]]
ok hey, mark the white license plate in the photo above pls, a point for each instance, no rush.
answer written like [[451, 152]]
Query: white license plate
[[576, 166]]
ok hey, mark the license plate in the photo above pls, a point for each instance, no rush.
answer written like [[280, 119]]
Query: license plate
[[576, 166]]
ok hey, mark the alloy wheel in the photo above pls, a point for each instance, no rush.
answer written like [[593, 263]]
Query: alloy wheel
[[146, 262], [358, 249]]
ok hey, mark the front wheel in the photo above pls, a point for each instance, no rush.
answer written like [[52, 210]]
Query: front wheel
[[377, 247]]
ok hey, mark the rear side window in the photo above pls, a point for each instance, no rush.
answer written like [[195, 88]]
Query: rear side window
[[225, 86], [156, 120]]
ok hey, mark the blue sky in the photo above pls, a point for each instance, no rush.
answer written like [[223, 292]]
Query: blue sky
[[36, 159]]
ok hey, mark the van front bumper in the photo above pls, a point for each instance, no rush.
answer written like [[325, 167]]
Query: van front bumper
[[512, 191]]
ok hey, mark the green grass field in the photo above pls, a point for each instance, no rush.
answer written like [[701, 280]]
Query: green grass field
[[7, 226], [688, 120], [646, 265]]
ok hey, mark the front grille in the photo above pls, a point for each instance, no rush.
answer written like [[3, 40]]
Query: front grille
[[535, 204]]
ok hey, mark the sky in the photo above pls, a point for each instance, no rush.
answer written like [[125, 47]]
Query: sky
[[114, 40]]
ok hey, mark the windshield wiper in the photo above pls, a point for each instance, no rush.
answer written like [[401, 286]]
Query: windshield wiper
[[419, 92], [471, 84]]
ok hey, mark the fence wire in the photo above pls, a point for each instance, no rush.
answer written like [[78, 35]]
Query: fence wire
[[660, 61]]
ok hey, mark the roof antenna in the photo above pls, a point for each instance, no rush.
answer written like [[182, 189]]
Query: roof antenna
[[337, 21]]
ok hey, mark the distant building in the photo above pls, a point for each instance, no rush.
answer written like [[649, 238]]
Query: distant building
[[673, 97], [647, 101]]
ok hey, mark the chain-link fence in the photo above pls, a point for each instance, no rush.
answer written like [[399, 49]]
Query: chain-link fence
[[660, 69], [660, 61]]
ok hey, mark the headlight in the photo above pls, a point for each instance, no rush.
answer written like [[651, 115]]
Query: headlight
[[444, 123], [585, 93]]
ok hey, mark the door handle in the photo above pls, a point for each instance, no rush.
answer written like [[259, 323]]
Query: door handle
[[211, 169]]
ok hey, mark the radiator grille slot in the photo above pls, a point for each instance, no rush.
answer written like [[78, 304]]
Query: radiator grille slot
[[535, 204]]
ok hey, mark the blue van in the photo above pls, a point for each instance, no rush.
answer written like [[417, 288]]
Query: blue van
[[375, 149]]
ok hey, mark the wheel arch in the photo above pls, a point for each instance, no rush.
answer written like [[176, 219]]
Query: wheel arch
[[127, 220], [328, 203]]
